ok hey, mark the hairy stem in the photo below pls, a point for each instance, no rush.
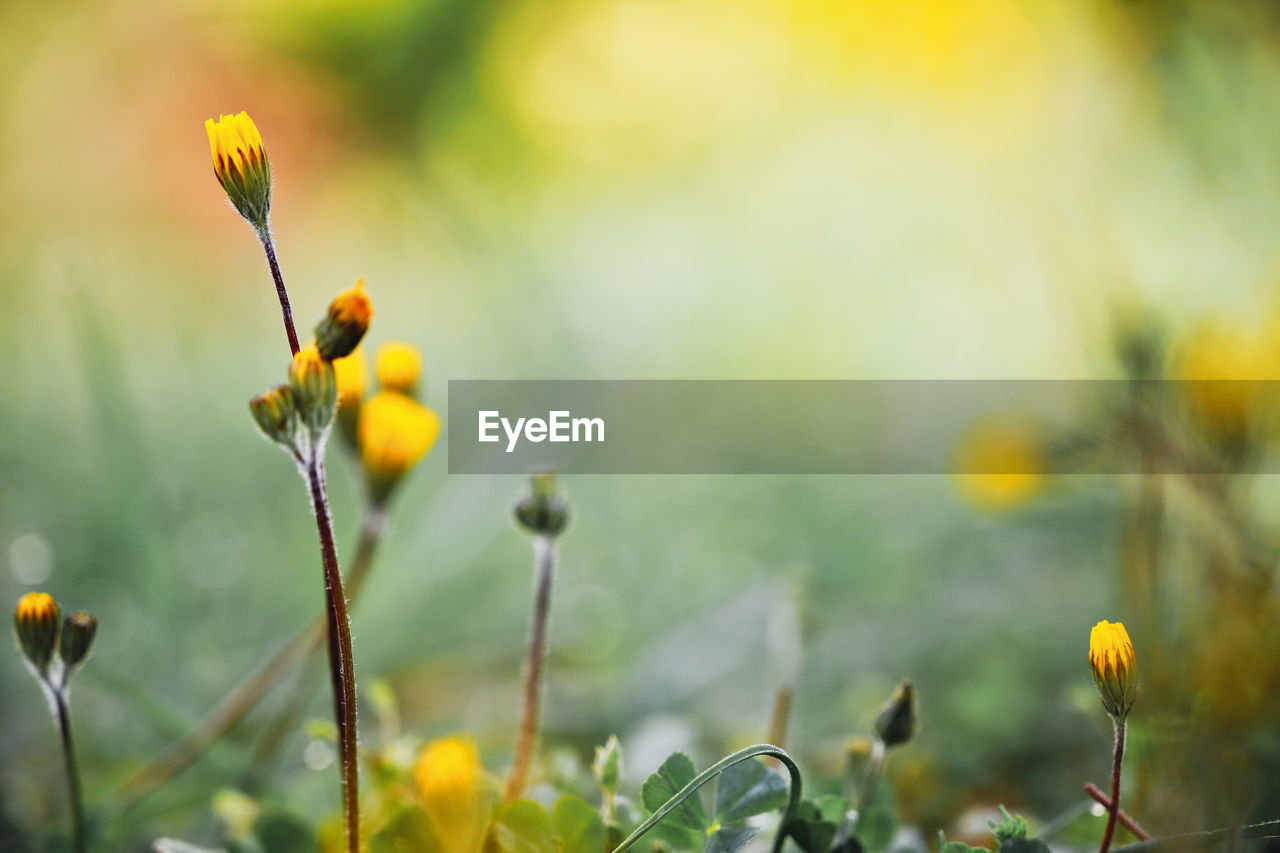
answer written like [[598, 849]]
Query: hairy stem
[[544, 551], [1116, 762], [242, 698], [269, 248], [758, 751], [341, 664], [72, 768]]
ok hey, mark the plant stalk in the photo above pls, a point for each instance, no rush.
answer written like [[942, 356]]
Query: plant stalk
[[269, 248], [341, 664], [1125, 820], [544, 551], [72, 768], [1116, 762]]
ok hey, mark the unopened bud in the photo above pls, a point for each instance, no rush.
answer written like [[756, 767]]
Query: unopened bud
[[897, 721], [240, 162], [607, 766], [399, 367], [77, 636], [543, 512], [276, 414], [35, 623], [315, 389], [345, 323]]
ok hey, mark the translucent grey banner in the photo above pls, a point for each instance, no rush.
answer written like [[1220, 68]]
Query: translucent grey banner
[[861, 426]]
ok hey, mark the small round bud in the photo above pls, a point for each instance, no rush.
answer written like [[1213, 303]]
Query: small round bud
[[543, 512], [607, 766], [36, 621], [399, 367], [240, 162], [77, 636], [395, 433], [344, 324], [315, 389], [897, 721], [276, 414]]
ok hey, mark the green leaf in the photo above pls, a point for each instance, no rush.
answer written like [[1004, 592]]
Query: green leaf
[[1024, 845], [408, 830], [676, 772], [729, 839], [832, 807], [809, 829], [523, 827], [960, 847], [748, 788], [876, 827], [578, 826]]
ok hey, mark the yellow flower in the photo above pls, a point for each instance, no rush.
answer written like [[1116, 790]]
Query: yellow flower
[[352, 375], [240, 162], [454, 793], [1114, 665], [1221, 368], [36, 621], [315, 390], [394, 433], [999, 466], [345, 323], [399, 365]]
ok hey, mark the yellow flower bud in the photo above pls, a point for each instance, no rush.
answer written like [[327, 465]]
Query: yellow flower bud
[[896, 722], [1114, 665], [451, 784], [36, 620], [395, 433], [276, 414], [240, 162], [399, 366], [315, 389], [345, 323], [542, 512], [78, 632]]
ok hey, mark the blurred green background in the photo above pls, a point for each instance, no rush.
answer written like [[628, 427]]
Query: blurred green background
[[611, 189]]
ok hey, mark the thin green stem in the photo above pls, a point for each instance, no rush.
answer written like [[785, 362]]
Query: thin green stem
[[72, 768], [341, 663], [1266, 829], [1116, 763], [757, 751], [269, 248], [544, 550]]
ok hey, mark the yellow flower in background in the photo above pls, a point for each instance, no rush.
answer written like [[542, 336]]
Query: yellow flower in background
[[240, 162], [344, 324], [352, 375], [399, 366], [999, 465], [36, 620], [1115, 667], [1221, 367], [454, 793], [394, 433]]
